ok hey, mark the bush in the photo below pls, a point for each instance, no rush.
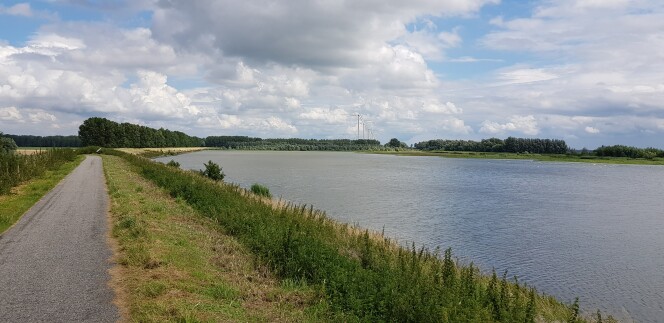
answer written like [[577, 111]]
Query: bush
[[7, 145], [173, 163], [213, 171], [261, 190]]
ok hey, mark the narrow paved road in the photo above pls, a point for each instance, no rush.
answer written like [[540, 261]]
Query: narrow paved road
[[54, 262]]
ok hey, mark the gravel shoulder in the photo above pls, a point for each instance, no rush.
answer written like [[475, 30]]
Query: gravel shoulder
[[54, 262]]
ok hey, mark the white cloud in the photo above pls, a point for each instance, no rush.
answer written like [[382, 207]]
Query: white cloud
[[41, 116], [591, 130], [517, 74], [10, 114], [19, 9], [333, 116], [521, 124], [455, 126], [436, 107], [470, 59]]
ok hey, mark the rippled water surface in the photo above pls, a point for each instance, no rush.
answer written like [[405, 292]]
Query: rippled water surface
[[570, 229]]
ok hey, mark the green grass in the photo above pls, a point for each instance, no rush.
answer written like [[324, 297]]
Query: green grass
[[23, 197], [261, 190], [537, 157], [176, 265], [361, 275]]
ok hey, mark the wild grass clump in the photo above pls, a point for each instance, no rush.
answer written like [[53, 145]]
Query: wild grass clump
[[363, 276], [15, 168], [261, 190], [173, 163]]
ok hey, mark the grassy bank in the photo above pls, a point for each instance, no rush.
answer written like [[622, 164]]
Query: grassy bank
[[176, 265], [359, 275], [537, 157], [24, 196]]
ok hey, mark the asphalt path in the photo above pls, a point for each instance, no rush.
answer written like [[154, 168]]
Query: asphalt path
[[54, 262]]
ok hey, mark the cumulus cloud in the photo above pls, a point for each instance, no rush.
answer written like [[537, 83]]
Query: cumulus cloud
[[305, 33], [517, 124], [10, 114], [586, 69]]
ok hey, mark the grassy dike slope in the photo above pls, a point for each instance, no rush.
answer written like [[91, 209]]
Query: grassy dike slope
[[353, 275], [176, 265], [24, 196]]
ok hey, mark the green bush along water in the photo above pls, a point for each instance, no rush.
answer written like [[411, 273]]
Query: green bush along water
[[363, 276]]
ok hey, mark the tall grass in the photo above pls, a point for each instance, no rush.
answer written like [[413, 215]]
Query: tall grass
[[15, 168], [363, 276], [261, 190]]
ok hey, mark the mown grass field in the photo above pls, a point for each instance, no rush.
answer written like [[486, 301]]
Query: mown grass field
[[341, 273], [24, 196]]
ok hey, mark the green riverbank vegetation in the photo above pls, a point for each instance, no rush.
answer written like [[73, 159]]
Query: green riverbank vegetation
[[354, 274], [535, 149], [538, 157], [292, 144]]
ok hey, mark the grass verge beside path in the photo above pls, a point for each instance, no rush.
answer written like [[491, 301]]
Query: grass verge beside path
[[24, 196], [175, 265], [537, 157]]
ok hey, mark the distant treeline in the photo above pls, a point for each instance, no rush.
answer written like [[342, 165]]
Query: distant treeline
[[627, 151], [45, 141], [106, 133], [249, 143], [509, 145]]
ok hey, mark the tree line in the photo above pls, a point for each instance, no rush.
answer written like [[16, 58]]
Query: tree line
[[45, 141], [106, 133], [252, 143], [509, 145], [627, 151]]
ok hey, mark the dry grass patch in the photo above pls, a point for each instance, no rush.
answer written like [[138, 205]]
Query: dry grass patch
[[175, 265]]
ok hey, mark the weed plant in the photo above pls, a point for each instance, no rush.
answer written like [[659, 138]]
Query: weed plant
[[363, 276], [261, 190], [15, 168]]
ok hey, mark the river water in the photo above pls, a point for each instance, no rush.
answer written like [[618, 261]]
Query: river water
[[595, 231]]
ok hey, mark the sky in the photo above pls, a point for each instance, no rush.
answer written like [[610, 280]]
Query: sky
[[590, 72]]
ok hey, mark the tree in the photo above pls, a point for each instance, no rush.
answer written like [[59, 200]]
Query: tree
[[395, 143], [213, 171], [7, 145]]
